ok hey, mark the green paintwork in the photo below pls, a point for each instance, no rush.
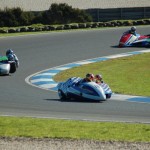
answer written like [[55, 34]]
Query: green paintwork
[[3, 58]]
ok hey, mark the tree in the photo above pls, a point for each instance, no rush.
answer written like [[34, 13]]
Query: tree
[[63, 14], [57, 14]]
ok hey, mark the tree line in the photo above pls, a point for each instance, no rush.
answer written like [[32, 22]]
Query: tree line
[[56, 14]]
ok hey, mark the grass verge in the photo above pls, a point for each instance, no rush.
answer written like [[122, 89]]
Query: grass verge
[[54, 31], [51, 128], [127, 75]]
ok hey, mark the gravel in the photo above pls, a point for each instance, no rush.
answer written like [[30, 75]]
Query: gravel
[[39, 5], [68, 144]]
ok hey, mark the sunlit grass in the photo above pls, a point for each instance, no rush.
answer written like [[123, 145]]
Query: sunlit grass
[[51, 128], [127, 75]]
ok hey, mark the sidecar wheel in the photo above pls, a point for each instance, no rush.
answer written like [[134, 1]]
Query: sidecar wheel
[[108, 96]]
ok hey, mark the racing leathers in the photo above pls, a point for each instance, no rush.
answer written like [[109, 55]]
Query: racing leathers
[[130, 32], [13, 57]]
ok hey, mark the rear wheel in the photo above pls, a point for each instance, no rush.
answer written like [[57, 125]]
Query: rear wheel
[[12, 67], [148, 45]]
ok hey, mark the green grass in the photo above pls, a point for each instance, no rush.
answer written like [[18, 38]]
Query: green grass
[[47, 32], [51, 128], [42, 32], [127, 75], [21, 33]]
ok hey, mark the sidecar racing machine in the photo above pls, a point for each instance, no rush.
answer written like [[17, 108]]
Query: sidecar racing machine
[[130, 40], [6, 66], [84, 91]]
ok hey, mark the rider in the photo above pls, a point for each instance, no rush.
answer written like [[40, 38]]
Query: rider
[[132, 30], [88, 78], [98, 79], [12, 57]]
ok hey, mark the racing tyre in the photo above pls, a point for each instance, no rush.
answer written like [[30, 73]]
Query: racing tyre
[[108, 96], [12, 67], [61, 95], [147, 46]]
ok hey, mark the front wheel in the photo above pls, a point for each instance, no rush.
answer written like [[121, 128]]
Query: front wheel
[[61, 95]]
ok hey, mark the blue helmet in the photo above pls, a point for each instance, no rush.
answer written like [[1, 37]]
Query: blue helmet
[[10, 57], [9, 51]]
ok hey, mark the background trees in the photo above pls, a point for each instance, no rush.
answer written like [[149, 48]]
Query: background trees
[[63, 14], [57, 14]]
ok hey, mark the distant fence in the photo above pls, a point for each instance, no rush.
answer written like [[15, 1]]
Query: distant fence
[[119, 14]]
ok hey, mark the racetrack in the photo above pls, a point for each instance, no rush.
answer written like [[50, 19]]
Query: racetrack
[[39, 52]]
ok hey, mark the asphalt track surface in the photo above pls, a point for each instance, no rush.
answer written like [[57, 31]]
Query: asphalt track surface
[[39, 52]]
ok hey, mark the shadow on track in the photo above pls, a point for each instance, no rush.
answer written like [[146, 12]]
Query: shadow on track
[[114, 46], [74, 101], [136, 46], [5, 75]]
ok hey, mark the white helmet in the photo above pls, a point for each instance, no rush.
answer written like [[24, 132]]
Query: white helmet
[[133, 28]]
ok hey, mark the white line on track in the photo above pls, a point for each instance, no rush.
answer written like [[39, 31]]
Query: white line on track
[[43, 79]]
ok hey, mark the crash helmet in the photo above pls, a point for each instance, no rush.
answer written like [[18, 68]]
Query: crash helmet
[[10, 57], [98, 77], [90, 76], [9, 51], [133, 29]]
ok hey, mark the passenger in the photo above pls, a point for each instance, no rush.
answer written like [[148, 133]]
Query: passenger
[[12, 57], [99, 79]]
